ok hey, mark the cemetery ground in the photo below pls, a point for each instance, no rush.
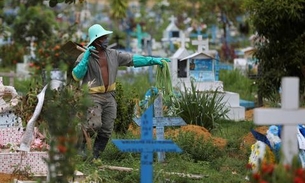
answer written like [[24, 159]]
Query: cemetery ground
[[220, 155]]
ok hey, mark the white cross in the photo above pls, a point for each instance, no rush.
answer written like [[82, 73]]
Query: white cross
[[201, 43], [289, 116], [172, 19], [183, 40]]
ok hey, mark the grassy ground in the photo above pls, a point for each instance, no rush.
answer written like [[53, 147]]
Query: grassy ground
[[199, 157]]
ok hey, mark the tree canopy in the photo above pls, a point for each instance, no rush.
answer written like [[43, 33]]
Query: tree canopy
[[280, 27]]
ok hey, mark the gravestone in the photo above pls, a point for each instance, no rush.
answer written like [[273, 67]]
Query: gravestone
[[290, 115], [202, 68], [7, 117], [159, 122], [171, 34], [177, 66], [146, 146], [22, 69]]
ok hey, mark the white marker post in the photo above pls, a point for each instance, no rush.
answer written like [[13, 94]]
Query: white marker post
[[289, 116]]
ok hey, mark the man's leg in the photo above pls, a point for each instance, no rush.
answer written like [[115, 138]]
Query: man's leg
[[109, 111]]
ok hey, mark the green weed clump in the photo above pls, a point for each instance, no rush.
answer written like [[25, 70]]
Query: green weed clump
[[198, 148], [202, 108]]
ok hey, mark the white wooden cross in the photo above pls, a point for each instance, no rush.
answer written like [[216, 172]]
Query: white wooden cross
[[202, 44], [290, 116], [172, 19], [183, 40]]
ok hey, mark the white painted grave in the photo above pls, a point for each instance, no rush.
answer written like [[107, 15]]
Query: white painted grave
[[178, 68], [202, 67], [171, 34], [290, 115], [7, 117]]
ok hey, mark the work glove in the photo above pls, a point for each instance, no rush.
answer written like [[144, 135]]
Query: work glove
[[82, 67], [141, 61]]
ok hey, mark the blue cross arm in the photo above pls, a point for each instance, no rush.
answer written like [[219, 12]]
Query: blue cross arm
[[146, 146], [164, 121]]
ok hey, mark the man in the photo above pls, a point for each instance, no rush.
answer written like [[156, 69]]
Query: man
[[97, 67]]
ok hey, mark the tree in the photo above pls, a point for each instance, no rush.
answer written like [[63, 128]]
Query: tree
[[280, 27], [118, 9], [35, 21]]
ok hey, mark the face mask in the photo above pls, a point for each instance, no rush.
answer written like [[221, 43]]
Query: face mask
[[104, 44]]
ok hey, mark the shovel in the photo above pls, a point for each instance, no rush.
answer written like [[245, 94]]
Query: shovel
[[74, 49]]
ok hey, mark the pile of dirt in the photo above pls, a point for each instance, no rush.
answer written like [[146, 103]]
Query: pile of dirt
[[247, 141]]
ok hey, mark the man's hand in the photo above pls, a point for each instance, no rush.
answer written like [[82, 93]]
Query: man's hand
[[163, 59], [88, 51]]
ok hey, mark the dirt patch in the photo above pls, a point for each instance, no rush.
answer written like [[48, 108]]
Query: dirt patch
[[8, 178], [248, 140]]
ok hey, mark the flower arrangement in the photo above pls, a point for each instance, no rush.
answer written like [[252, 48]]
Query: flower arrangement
[[265, 160], [278, 173]]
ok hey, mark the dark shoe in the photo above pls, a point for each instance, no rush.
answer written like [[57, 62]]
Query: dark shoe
[[99, 146]]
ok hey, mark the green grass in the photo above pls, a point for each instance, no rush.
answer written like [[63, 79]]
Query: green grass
[[199, 157], [235, 81], [215, 164]]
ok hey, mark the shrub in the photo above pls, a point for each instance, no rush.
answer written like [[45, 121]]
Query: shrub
[[203, 108], [198, 148]]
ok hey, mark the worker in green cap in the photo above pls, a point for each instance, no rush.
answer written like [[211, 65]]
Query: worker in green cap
[[97, 67]]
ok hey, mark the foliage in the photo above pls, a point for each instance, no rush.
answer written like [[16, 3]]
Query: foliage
[[64, 110], [118, 9], [61, 117], [279, 41], [234, 80], [50, 55], [204, 108], [34, 21], [28, 102], [11, 54], [125, 110], [53, 3], [200, 149]]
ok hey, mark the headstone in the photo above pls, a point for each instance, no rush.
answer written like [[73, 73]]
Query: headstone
[[22, 69], [202, 68], [7, 117], [171, 34], [146, 146], [178, 67], [290, 115], [160, 122], [202, 44]]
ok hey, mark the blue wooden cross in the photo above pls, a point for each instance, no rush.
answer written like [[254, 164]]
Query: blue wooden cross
[[160, 122], [146, 146]]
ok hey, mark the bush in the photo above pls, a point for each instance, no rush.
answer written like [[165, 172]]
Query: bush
[[203, 108]]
